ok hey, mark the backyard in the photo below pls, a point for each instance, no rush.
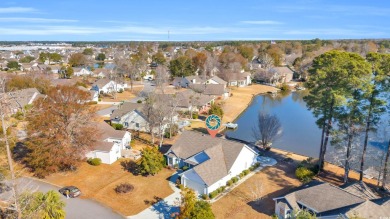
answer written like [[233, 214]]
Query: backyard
[[98, 183], [271, 182]]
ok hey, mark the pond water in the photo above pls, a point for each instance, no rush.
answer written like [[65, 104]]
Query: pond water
[[299, 131], [300, 134]]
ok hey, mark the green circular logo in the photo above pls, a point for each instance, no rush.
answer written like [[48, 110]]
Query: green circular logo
[[213, 122]]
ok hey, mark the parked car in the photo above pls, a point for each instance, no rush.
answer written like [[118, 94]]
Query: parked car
[[73, 191]]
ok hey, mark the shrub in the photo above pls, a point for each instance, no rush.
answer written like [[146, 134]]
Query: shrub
[[284, 87], [132, 143], [251, 168], [246, 172], [139, 101], [124, 188], [99, 99], [216, 110], [234, 179], [213, 194], [223, 188], [204, 196], [92, 102], [241, 174], [117, 126], [174, 131], [195, 116], [229, 182], [304, 174], [185, 168], [94, 161], [120, 90]]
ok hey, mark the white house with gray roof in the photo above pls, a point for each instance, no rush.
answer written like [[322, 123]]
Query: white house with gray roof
[[333, 202], [110, 145], [211, 161]]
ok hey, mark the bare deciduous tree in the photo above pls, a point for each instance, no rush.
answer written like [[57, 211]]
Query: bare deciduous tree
[[267, 128], [5, 112]]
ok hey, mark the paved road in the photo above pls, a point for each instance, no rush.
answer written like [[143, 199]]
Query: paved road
[[149, 86], [75, 207]]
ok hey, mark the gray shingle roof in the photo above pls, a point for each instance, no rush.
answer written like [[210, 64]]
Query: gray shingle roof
[[20, 98], [101, 82], [109, 132], [218, 80], [360, 189], [209, 89], [326, 197], [370, 209], [223, 153], [125, 108], [103, 146]]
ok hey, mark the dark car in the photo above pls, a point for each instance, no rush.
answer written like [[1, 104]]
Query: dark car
[[73, 191]]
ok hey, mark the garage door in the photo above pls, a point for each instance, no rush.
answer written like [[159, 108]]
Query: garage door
[[195, 186]]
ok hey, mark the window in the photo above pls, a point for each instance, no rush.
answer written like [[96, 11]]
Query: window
[[137, 125]]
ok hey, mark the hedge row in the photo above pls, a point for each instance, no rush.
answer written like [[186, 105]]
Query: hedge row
[[231, 182]]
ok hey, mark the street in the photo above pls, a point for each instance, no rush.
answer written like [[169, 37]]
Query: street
[[75, 207]]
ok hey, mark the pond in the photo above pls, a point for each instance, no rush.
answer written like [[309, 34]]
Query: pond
[[299, 131], [300, 134]]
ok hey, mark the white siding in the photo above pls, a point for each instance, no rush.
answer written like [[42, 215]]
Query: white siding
[[103, 155], [245, 159], [197, 187]]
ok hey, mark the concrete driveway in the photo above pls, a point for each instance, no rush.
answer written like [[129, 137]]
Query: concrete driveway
[[75, 207], [164, 208]]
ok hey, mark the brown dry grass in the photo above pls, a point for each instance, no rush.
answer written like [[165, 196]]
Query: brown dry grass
[[124, 96], [98, 182], [101, 106], [242, 96], [332, 173], [275, 181]]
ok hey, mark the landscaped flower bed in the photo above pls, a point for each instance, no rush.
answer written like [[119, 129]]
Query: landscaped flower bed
[[231, 182]]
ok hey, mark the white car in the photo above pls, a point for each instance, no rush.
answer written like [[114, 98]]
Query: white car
[[230, 125]]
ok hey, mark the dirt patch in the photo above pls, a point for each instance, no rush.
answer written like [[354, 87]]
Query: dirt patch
[[99, 183]]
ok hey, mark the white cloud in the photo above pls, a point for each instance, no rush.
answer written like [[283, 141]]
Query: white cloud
[[262, 22], [16, 10], [34, 20]]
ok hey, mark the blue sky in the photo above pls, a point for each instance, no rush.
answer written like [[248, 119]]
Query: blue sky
[[125, 20]]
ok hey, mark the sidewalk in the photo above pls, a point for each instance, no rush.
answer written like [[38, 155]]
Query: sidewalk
[[164, 208]]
